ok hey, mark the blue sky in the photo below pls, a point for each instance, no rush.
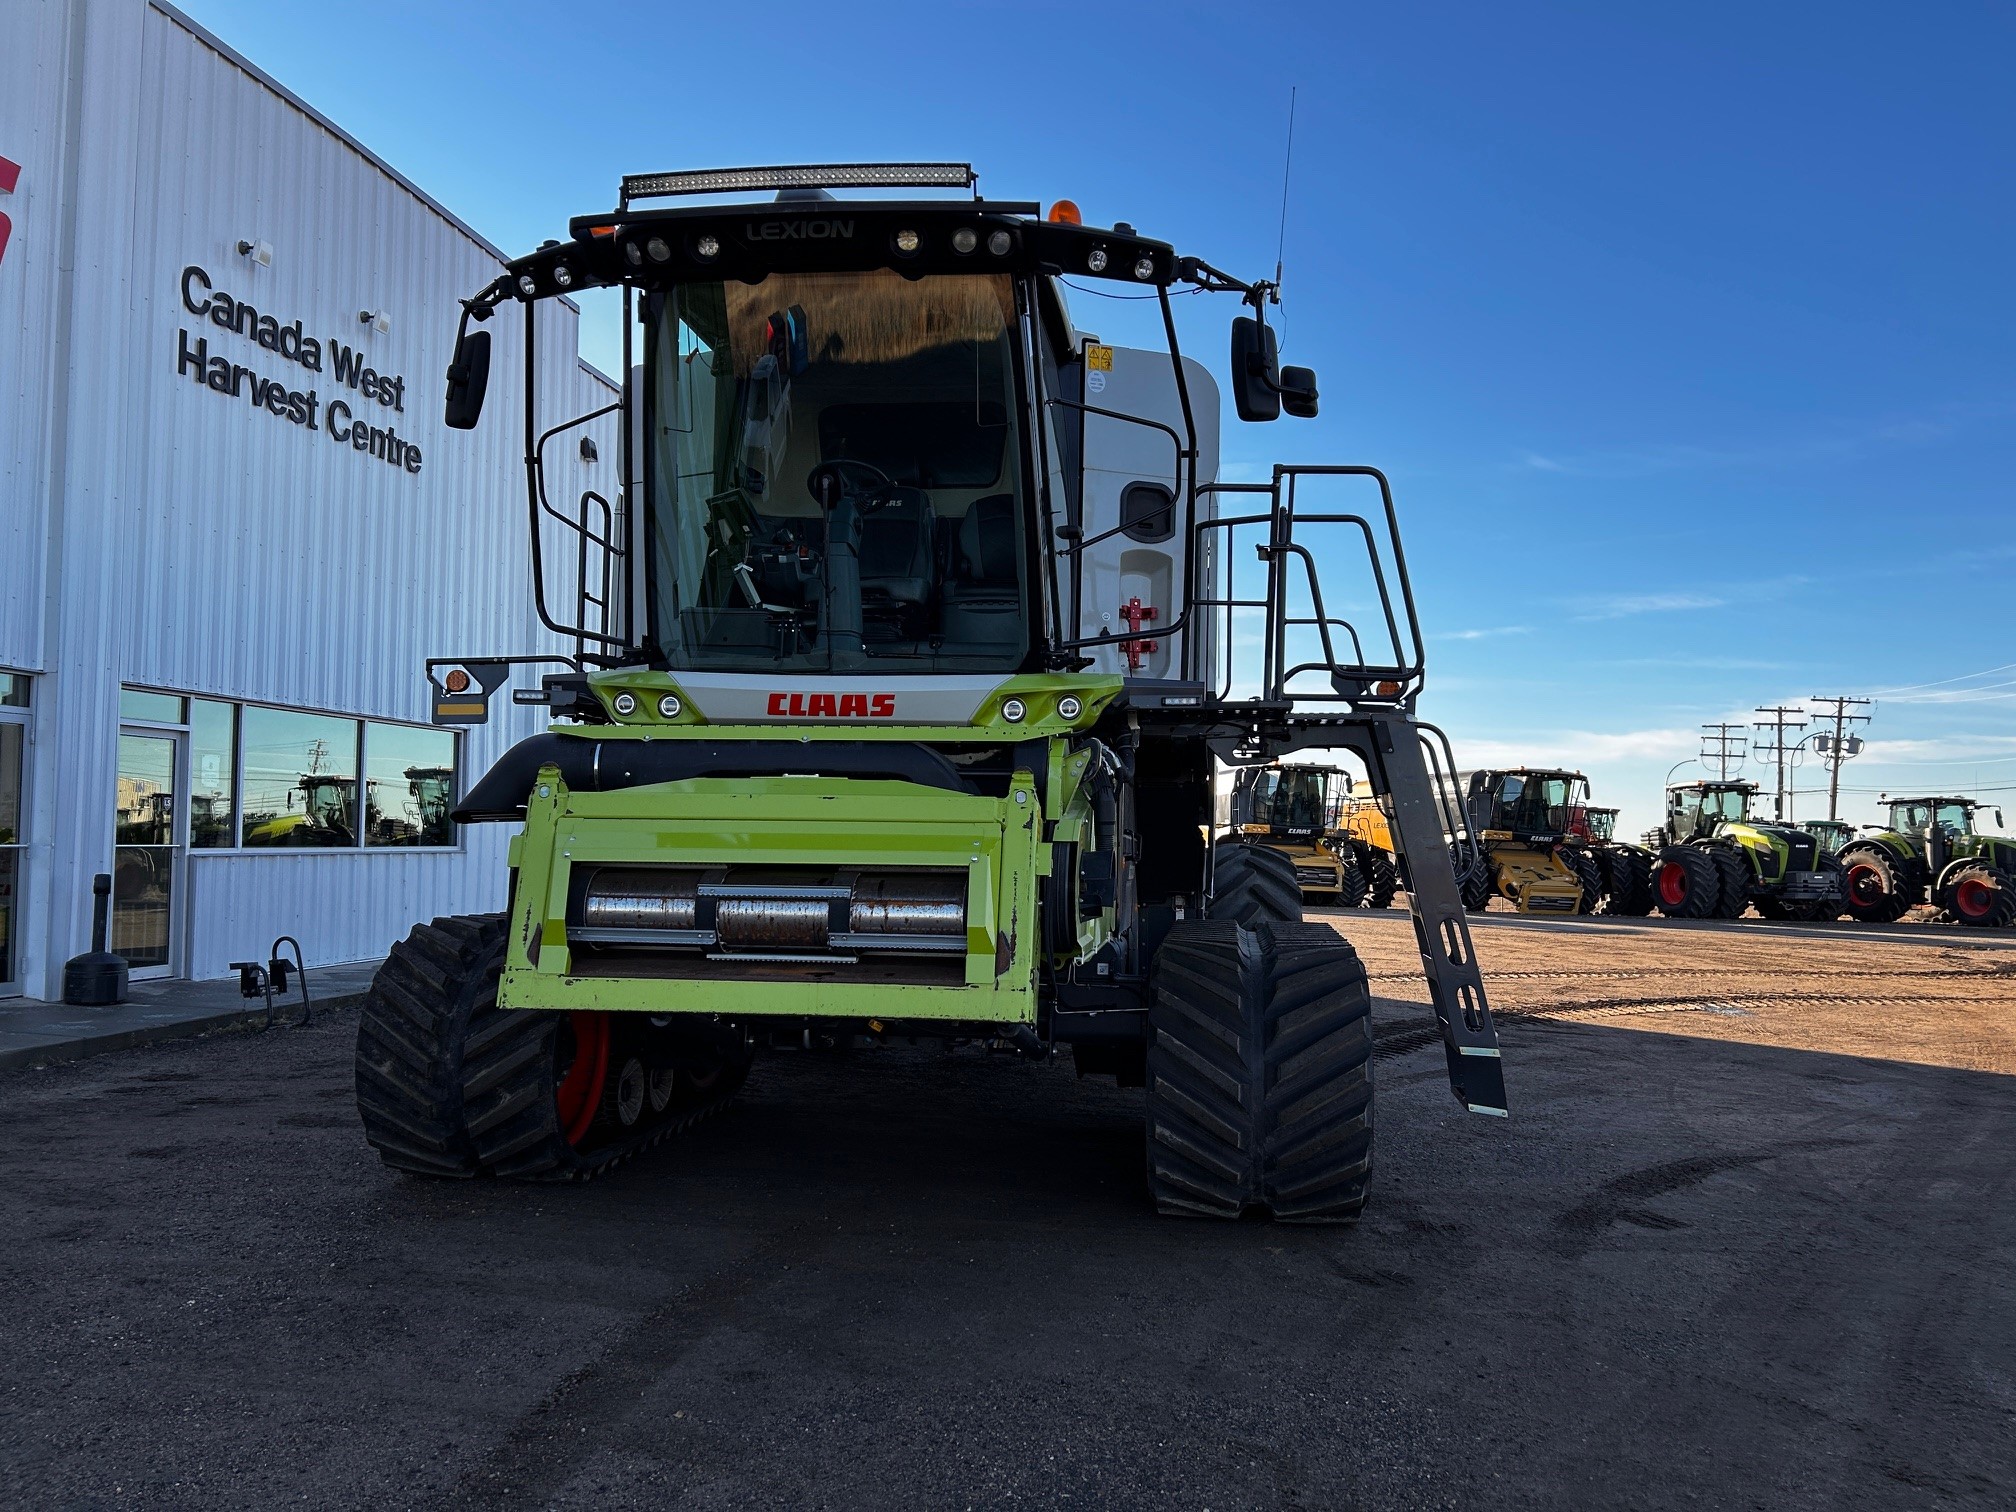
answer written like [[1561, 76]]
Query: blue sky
[[1685, 334]]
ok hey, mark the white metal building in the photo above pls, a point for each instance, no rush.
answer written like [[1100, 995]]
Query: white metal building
[[232, 525]]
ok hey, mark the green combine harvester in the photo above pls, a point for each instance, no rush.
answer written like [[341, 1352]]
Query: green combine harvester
[[1715, 861], [900, 673], [1932, 851]]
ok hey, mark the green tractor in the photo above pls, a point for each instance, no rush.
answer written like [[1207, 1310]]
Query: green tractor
[[901, 675], [1932, 850], [1715, 861], [1831, 833]]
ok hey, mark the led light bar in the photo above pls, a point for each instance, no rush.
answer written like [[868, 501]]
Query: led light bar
[[801, 176]]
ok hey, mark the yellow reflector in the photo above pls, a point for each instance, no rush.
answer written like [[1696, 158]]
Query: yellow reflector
[[1065, 213]]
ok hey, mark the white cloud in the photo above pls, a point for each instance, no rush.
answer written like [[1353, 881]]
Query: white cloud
[[1576, 747], [1472, 635], [1622, 605]]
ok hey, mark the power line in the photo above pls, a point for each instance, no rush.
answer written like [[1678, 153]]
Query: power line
[[1722, 747], [1838, 747], [1943, 681], [1782, 719]]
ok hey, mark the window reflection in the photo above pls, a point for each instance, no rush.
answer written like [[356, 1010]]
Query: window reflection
[[146, 794], [213, 783], [155, 708], [409, 785], [300, 779]]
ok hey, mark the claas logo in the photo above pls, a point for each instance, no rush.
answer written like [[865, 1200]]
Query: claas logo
[[833, 705]]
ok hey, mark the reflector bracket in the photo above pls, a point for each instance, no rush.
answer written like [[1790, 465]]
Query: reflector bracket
[[800, 176]]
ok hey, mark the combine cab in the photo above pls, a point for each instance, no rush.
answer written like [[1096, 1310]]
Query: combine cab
[[1715, 861], [896, 682], [1932, 849]]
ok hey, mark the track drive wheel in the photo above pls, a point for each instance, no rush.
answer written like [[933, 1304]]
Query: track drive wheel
[[1686, 883], [1733, 901], [1253, 883], [1259, 1073], [1382, 877], [1980, 895], [1628, 873], [1587, 872], [1882, 887]]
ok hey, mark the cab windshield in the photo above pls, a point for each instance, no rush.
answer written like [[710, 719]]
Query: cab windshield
[[1288, 799], [1954, 818], [1533, 805], [835, 478]]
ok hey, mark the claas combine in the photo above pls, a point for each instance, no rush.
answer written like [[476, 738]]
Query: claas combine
[[894, 688]]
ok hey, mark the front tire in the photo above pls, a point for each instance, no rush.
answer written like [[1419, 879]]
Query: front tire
[[1881, 886], [1259, 1074], [1382, 877], [1629, 874], [1980, 896], [1253, 884], [1686, 884], [1587, 873], [1734, 898], [1473, 879]]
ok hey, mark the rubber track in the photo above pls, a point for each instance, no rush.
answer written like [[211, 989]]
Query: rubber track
[[410, 1040], [1259, 1073]]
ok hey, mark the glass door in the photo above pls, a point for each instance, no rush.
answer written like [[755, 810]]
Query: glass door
[[13, 740], [147, 853]]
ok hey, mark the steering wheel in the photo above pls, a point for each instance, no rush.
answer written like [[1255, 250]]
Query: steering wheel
[[829, 482]]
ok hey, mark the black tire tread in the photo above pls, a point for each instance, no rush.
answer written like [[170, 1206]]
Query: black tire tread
[[1587, 872], [1382, 877], [1251, 883], [1628, 882], [1732, 900], [1260, 1073], [1704, 879], [2002, 915], [1904, 885]]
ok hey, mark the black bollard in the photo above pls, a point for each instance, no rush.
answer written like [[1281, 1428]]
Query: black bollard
[[96, 979]]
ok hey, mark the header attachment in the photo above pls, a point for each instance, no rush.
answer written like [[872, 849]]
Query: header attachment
[[638, 186]]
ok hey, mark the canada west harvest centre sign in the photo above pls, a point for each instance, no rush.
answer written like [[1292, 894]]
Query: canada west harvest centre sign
[[349, 418]]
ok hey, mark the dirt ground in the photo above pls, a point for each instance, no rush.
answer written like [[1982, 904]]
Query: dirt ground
[[1747, 1240]]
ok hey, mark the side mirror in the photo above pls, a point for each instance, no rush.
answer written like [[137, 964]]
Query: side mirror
[[1298, 392], [468, 379], [1255, 382]]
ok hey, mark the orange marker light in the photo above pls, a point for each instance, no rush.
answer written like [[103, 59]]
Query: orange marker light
[[1065, 213], [457, 680]]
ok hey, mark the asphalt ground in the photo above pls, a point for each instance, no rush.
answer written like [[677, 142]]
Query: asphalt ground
[[1748, 1240]]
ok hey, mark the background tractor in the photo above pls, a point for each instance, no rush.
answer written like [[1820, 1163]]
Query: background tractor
[[1520, 821], [1832, 834], [1933, 849], [900, 676], [1715, 860]]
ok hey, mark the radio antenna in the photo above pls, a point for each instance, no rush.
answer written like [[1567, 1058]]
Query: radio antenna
[[1287, 162]]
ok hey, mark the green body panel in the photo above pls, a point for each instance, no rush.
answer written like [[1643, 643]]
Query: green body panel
[[1004, 846], [1764, 846]]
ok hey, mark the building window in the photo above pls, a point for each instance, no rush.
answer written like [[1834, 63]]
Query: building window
[[261, 778], [213, 774], [409, 785], [150, 708], [300, 780], [13, 764]]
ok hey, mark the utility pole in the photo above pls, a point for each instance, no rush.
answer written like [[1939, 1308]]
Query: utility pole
[[1722, 744], [1782, 719], [1839, 746]]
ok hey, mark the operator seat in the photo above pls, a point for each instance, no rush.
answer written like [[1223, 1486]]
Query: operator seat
[[897, 531], [982, 599]]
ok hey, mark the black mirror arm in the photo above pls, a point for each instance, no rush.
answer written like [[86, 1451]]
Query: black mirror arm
[[1194, 270]]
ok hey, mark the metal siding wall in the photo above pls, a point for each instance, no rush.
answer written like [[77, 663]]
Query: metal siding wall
[[32, 72], [214, 548]]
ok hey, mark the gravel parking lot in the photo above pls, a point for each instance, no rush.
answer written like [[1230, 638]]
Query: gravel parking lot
[[1747, 1240]]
